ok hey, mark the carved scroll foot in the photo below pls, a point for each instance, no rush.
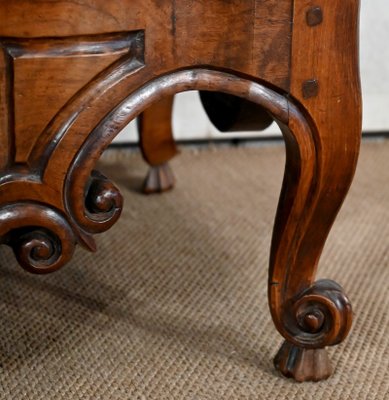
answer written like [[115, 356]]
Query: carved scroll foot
[[303, 364], [320, 316], [159, 179]]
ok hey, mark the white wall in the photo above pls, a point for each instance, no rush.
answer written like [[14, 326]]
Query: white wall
[[190, 121], [374, 52]]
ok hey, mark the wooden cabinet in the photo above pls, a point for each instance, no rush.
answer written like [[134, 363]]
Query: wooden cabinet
[[73, 74]]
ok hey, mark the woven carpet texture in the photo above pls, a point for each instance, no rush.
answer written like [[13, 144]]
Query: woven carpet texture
[[174, 303]]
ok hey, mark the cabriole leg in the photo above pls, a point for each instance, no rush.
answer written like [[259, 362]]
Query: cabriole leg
[[310, 315], [321, 157]]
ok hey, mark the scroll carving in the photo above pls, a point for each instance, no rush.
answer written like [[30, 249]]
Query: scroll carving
[[320, 316], [46, 242], [102, 204], [40, 237]]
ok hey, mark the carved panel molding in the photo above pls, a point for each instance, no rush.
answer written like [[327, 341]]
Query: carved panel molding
[[58, 72]]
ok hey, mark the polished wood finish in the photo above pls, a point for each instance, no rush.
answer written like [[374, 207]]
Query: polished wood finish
[[75, 73]]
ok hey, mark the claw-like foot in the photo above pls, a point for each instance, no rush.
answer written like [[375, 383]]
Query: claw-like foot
[[303, 364], [159, 179]]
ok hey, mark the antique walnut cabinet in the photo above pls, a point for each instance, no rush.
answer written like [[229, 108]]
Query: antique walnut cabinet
[[74, 73]]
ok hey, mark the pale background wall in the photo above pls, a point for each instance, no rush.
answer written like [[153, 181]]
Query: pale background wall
[[190, 121]]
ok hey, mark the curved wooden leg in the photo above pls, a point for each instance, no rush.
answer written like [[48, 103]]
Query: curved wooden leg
[[319, 170], [310, 315], [157, 145]]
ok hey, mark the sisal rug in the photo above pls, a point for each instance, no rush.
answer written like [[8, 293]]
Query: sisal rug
[[173, 305]]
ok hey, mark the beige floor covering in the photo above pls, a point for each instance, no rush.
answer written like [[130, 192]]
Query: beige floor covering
[[173, 305]]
